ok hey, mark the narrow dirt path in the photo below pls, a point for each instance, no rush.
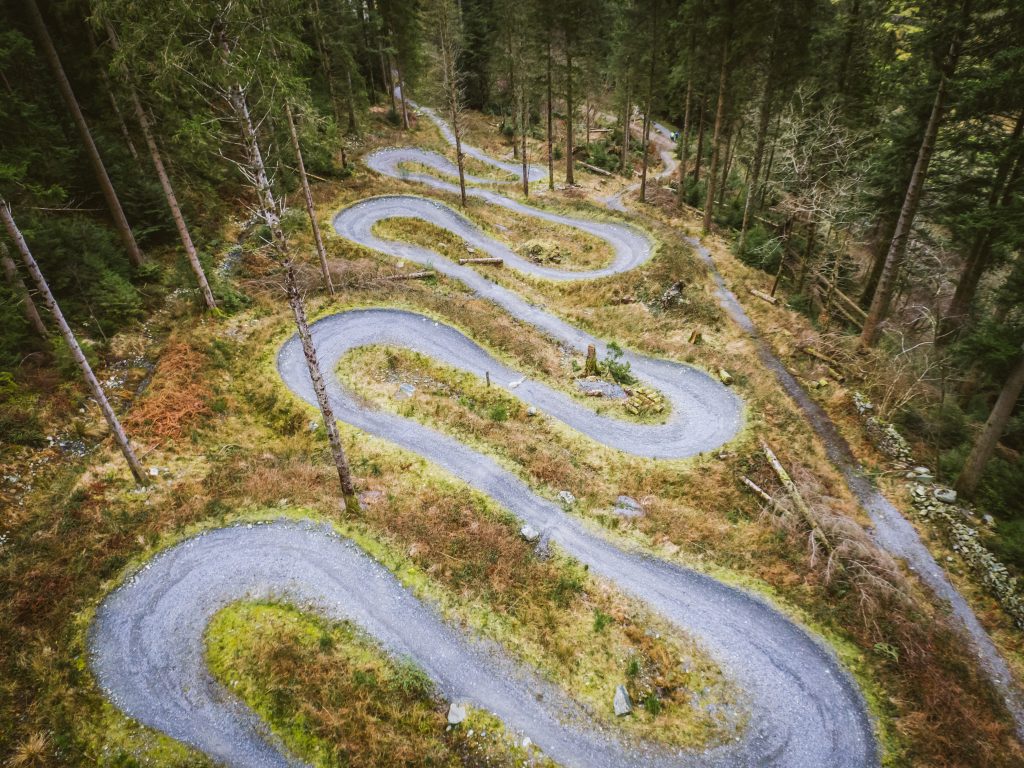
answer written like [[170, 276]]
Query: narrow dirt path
[[892, 531], [803, 709]]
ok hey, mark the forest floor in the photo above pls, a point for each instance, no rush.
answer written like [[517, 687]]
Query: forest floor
[[231, 444]]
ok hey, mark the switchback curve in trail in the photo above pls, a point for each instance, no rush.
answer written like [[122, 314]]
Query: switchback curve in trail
[[803, 710]]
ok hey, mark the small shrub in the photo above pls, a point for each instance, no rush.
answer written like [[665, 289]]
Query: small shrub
[[618, 369]]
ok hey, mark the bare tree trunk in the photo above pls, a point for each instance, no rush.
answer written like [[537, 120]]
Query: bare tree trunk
[[647, 115], [348, 491], [569, 116], [64, 86], [763, 118], [684, 144], [1000, 196], [76, 351], [805, 264], [627, 112], [985, 445], [165, 182], [27, 304], [405, 105], [105, 81], [782, 255], [522, 137], [588, 120], [551, 123], [901, 237], [699, 156], [723, 77], [260, 181], [321, 252]]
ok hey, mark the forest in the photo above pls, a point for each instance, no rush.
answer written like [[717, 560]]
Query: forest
[[515, 298]]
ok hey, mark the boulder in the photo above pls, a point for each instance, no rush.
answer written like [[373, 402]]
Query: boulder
[[945, 495], [529, 533], [456, 713], [566, 498], [626, 506], [622, 703]]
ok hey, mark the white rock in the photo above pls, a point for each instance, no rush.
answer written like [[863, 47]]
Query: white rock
[[456, 713], [529, 533], [945, 495], [566, 498]]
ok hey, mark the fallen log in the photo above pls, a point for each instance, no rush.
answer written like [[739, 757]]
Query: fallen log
[[812, 352], [794, 494], [764, 296], [483, 260], [410, 275], [595, 169], [758, 490]]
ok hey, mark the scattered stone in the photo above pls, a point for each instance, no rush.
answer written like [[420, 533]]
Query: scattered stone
[[456, 713], [989, 521], [527, 742], [154, 471], [922, 471], [622, 703], [314, 425], [566, 498], [516, 383], [405, 391], [531, 411], [626, 506], [529, 533], [945, 495]]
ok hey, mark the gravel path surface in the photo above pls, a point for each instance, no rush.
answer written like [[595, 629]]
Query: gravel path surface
[[803, 710]]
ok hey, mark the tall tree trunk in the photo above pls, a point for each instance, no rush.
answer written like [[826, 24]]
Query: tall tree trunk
[[348, 490], [644, 141], [627, 111], [551, 123], [64, 86], [260, 181], [647, 115], [569, 116], [723, 186], [321, 252], [763, 118], [901, 237], [405, 105], [723, 78], [18, 285], [76, 351], [525, 105], [165, 181], [805, 264], [852, 25], [105, 82], [588, 120], [1000, 196], [699, 156], [684, 144], [985, 444]]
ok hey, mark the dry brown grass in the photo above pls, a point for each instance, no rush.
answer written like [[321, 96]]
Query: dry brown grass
[[178, 396]]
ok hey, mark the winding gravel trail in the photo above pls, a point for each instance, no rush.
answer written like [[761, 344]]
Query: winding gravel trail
[[803, 710]]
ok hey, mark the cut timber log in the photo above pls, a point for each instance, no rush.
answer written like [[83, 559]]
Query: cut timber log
[[485, 260], [763, 296], [595, 169], [411, 275]]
